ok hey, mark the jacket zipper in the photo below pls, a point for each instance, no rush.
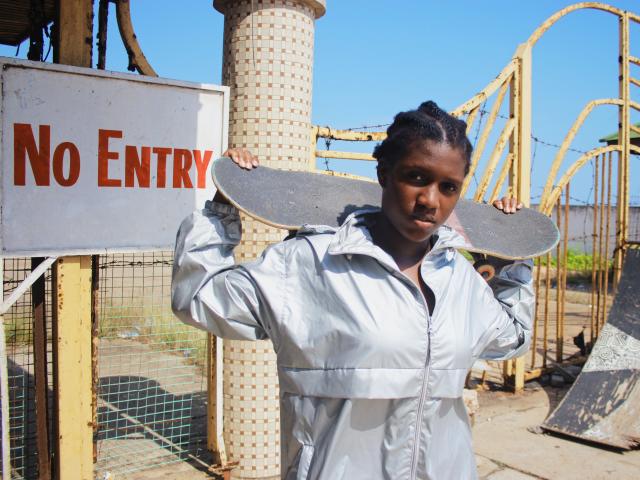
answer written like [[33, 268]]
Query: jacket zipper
[[425, 379]]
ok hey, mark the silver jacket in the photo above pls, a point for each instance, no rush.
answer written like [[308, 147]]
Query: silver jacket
[[370, 383]]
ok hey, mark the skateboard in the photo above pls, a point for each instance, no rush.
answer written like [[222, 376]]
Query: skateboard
[[290, 199]]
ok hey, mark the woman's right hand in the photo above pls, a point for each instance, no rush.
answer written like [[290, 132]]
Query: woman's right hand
[[242, 157]]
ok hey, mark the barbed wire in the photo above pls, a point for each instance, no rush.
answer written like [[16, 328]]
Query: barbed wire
[[475, 140], [368, 127], [483, 112], [634, 199], [549, 144]]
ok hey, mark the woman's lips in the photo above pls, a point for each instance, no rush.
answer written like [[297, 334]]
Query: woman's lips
[[425, 221]]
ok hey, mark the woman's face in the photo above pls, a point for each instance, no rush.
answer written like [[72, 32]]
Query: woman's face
[[420, 191]]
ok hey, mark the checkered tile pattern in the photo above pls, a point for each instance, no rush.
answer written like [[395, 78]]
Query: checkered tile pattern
[[268, 63]]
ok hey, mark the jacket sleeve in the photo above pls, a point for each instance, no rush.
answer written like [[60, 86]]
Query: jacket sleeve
[[208, 291], [509, 313]]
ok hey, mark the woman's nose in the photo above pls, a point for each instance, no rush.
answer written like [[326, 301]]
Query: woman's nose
[[428, 197]]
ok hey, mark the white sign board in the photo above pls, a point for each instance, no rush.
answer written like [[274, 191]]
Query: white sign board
[[96, 162]]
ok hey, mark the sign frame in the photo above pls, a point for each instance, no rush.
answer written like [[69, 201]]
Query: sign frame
[[217, 94]]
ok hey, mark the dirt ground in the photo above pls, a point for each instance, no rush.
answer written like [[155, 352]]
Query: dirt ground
[[507, 446], [141, 385], [508, 443]]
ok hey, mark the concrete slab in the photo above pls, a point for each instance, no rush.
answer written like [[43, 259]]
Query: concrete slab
[[501, 436], [509, 474], [486, 467], [178, 471]]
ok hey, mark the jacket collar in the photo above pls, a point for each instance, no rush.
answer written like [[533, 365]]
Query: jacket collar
[[353, 237]]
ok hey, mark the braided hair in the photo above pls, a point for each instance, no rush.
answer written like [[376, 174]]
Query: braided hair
[[428, 122]]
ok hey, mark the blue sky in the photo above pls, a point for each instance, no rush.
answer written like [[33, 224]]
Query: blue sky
[[375, 58]]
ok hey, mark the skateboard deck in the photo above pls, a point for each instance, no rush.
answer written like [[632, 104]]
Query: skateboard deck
[[290, 199]]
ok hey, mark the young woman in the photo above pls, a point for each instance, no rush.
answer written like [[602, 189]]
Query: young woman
[[376, 323]]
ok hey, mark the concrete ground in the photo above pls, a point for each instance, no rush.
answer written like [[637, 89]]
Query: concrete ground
[[505, 439], [507, 446]]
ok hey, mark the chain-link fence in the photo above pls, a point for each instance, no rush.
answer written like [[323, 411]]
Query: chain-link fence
[[150, 380], [27, 350]]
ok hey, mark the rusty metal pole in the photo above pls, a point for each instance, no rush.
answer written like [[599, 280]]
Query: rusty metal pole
[[5, 440], [563, 290], [545, 334], [607, 234], [103, 19], [623, 141], [41, 376], [520, 149], [73, 383], [558, 282], [534, 339], [601, 255], [594, 327]]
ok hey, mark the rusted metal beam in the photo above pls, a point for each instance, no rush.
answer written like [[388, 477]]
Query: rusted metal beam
[[103, 20], [345, 155], [534, 335], [137, 60], [215, 410], [559, 338], [4, 395], [479, 147], [593, 314], [95, 329], [534, 373], [350, 135], [36, 38], [25, 285], [471, 117], [499, 147], [73, 35], [523, 191], [504, 171], [606, 245], [72, 368], [545, 334], [601, 253], [535, 36], [546, 204], [72, 323], [41, 376], [313, 145], [565, 247], [484, 94], [557, 162], [623, 140]]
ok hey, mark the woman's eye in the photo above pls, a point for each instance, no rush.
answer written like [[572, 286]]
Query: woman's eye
[[450, 187], [416, 177]]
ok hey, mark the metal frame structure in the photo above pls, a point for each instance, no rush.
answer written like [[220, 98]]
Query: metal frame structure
[[513, 164], [74, 302], [507, 166]]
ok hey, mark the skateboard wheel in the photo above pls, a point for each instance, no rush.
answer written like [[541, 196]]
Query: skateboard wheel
[[485, 269]]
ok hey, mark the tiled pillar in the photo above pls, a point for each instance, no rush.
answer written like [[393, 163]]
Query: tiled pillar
[[268, 63]]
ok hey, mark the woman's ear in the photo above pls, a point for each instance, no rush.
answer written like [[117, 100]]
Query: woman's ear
[[382, 174]]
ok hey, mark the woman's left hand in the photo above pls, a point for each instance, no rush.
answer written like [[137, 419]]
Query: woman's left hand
[[508, 204]]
